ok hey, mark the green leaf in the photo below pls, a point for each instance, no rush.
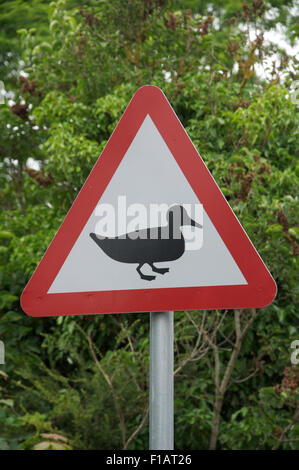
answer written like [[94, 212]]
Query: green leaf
[[6, 234], [294, 232], [275, 228], [8, 402]]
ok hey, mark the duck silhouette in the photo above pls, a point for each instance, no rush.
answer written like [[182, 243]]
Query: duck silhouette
[[150, 245]]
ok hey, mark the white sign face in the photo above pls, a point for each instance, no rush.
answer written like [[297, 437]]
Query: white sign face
[[147, 177]]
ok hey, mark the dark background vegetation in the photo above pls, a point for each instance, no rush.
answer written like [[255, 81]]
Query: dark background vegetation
[[69, 70]]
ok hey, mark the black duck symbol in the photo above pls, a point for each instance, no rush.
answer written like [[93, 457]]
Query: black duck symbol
[[151, 245]]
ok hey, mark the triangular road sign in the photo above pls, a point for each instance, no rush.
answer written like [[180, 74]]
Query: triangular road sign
[[104, 257]]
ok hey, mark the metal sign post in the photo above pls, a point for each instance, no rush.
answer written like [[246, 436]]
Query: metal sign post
[[161, 381]]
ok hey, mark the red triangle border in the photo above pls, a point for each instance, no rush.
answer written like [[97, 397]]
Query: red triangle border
[[261, 287]]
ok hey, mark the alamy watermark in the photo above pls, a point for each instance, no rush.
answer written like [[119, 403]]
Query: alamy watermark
[[295, 354], [2, 352], [295, 93], [2, 92], [151, 221]]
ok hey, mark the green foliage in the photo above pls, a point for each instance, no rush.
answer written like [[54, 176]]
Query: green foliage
[[82, 382], [256, 426]]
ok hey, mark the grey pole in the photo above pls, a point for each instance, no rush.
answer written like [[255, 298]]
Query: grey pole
[[161, 381]]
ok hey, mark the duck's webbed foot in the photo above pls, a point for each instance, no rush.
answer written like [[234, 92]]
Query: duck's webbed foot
[[159, 270], [144, 276]]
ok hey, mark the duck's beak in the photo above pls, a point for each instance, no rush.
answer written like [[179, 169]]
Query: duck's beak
[[195, 224]]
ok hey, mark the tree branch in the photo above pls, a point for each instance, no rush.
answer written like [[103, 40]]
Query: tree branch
[[138, 429]]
